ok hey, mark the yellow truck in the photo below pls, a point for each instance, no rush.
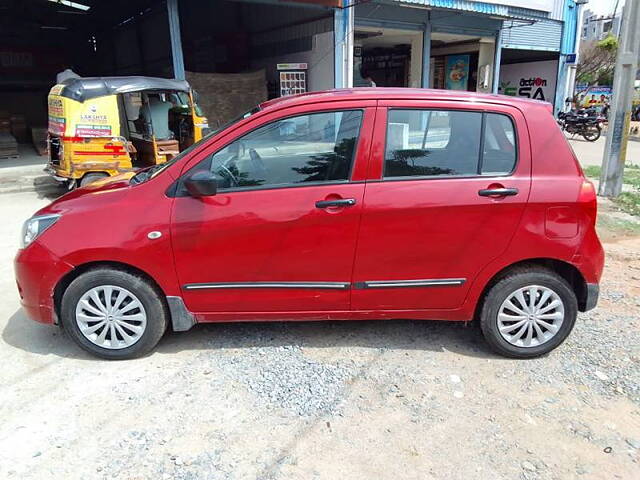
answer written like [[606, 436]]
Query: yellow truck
[[104, 126]]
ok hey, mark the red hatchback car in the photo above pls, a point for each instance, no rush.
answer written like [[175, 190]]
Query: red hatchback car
[[349, 204]]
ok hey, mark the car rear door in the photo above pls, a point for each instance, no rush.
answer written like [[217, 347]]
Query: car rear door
[[444, 196], [280, 234]]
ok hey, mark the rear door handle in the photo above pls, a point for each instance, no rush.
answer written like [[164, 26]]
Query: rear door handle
[[340, 202], [497, 192]]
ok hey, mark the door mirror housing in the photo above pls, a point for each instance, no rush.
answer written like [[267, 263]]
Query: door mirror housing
[[202, 184]]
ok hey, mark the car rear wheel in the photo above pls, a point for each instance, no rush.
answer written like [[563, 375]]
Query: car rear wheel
[[113, 314], [528, 313]]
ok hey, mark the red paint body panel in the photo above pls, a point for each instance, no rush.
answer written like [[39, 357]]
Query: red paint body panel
[[434, 228], [422, 228], [37, 273]]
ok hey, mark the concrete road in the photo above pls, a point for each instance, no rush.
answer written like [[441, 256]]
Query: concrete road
[[591, 153], [326, 400]]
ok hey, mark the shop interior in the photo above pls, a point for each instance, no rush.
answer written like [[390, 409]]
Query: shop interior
[[389, 57]]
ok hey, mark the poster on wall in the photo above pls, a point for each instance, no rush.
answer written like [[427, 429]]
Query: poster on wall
[[535, 80], [457, 72], [596, 96], [293, 78]]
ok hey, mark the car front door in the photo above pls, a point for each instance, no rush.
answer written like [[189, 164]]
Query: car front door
[[444, 197], [280, 234]]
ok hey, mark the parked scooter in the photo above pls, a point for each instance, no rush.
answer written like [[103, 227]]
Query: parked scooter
[[587, 123]]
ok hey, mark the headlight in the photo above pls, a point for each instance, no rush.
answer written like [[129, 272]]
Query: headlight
[[34, 227]]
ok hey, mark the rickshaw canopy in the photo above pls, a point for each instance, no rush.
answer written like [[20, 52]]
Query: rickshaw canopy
[[85, 88]]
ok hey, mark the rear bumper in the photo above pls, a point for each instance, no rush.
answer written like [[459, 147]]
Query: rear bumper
[[38, 272], [593, 291]]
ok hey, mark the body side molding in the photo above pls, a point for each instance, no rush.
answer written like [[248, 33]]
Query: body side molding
[[312, 285], [428, 282]]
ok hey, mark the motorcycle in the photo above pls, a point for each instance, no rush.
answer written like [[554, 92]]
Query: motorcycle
[[584, 122]]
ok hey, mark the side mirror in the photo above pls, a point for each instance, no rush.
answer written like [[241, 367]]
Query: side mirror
[[202, 184]]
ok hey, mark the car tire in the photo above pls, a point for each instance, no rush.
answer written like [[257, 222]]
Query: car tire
[[550, 321], [129, 329], [92, 177]]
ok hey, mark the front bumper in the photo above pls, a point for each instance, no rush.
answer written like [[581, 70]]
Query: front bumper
[[593, 291], [38, 271]]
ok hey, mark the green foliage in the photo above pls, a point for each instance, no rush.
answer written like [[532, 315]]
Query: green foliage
[[627, 201], [592, 171], [609, 43], [620, 225], [597, 61]]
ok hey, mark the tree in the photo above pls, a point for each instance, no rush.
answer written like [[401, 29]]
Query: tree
[[597, 61]]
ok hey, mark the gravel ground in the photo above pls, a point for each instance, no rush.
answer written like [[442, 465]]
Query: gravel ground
[[358, 400]]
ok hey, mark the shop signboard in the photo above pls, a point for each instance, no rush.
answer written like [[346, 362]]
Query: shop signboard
[[457, 72], [535, 80]]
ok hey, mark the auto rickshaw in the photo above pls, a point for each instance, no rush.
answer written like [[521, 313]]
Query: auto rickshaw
[[104, 126]]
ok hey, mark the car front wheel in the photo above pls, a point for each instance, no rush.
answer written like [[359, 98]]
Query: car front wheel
[[528, 313], [113, 314]]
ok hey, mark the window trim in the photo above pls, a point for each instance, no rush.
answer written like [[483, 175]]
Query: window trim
[[478, 174], [181, 191]]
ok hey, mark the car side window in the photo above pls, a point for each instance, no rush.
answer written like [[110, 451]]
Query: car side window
[[432, 143], [316, 147], [448, 143], [499, 146]]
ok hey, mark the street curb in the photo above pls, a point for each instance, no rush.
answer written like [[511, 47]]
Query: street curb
[[40, 189], [47, 191]]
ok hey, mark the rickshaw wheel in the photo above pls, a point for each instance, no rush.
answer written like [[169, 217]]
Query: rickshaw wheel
[[92, 177]]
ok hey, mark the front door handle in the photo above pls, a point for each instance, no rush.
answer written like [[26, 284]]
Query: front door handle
[[497, 192], [339, 202]]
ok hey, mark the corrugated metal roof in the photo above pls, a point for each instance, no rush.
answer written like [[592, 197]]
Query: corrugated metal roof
[[558, 10], [478, 7], [541, 35], [467, 5]]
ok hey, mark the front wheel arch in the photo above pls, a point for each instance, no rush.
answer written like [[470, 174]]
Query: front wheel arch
[[65, 281]]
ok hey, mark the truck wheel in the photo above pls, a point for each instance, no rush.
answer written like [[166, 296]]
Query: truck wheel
[[528, 313], [92, 177], [113, 314]]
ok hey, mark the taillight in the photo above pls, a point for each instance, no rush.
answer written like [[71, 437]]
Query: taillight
[[588, 200]]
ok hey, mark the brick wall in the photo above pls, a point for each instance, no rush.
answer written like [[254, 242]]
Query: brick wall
[[223, 96]]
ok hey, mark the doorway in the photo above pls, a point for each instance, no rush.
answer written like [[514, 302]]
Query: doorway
[[387, 57]]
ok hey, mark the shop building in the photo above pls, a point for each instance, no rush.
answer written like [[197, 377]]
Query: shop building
[[240, 52], [515, 47]]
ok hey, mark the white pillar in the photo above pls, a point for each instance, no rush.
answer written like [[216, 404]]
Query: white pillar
[[486, 59], [415, 72], [343, 25]]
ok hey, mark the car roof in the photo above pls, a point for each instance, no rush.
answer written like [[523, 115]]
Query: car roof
[[393, 93]]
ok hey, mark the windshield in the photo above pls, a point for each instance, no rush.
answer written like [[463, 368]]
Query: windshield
[[151, 172]]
